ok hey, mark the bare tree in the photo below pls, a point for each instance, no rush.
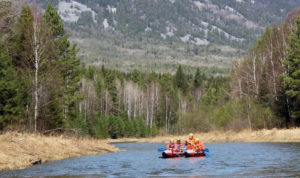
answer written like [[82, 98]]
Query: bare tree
[[38, 51]]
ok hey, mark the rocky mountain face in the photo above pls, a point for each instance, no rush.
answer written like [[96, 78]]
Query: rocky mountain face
[[159, 34]]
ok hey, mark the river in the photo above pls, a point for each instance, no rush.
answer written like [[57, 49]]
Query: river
[[142, 159]]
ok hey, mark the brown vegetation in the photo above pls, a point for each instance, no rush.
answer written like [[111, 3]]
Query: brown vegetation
[[274, 135], [22, 150]]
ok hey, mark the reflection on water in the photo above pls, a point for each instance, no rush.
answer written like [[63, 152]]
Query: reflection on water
[[142, 159]]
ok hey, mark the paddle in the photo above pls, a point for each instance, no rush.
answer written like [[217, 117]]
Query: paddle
[[161, 149], [207, 153]]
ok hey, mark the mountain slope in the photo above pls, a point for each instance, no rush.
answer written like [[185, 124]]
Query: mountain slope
[[158, 34]]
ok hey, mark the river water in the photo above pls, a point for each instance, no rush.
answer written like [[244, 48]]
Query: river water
[[142, 159]]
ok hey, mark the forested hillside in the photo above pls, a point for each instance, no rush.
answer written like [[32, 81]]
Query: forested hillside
[[44, 87], [159, 35]]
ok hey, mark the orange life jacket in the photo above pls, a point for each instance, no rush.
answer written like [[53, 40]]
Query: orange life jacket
[[178, 146], [170, 146], [190, 146], [190, 140], [199, 145]]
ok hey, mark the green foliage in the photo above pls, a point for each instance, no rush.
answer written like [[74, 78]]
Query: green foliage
[[66, 55], [52, 18], [9, 108], [153, 130], [129, 128], [137, 77], [21, 37], [263, 88], [180, 80], [116, 127], [211, 96], [90, 72], [99, 86], [55, 23], [79, 125], [198, 79], [110, 84], [100, 128], [232, 115], [141, 129], [291, 80]]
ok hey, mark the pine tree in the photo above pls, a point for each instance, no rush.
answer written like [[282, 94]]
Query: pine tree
[[71, 78], [66, 56], [291, 80], [21, 62], [153, 130], [9, 109], [98, 86], [121, 126], [52, 18], [129, 128], [101, 128], [180, 80], [197, 79], [142, 127], [110, 85], [263, 88], [23, 30], [90, 72]]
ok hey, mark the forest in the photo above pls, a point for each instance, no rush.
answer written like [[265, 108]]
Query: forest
[[45, 87]]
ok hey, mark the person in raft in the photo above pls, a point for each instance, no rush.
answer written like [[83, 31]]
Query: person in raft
[[191, 139], [178, 145], [190, 142], [171, 145], [199, 146]]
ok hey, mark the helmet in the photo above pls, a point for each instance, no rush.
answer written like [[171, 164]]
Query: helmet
[[197, 139], [191, 134], [172, 140], [178, 139]]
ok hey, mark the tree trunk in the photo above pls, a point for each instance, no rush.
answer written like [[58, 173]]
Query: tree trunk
[[106, 105], [248, 115], [254, 76], [36, 64], [166, 114]]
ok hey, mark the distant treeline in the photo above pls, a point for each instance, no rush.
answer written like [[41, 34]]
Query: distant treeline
[[43, 86]]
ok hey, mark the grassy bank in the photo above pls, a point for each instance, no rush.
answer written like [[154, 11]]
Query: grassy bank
[[274, 135], [21, 150]]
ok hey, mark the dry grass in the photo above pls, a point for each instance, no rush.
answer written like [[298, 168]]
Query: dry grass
[[20, 150], [274, 135]]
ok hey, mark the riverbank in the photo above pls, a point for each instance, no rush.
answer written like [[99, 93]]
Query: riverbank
[[22, 150], [274, 135]]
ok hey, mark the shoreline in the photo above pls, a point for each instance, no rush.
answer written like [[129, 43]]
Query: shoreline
[[264, 135], [21, 150]]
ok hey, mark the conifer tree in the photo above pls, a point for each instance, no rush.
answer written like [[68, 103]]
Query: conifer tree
[[66, 56], [24, 28], [197, 79], [291, 80], [180, 80], [263, 88], [8, 89]]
